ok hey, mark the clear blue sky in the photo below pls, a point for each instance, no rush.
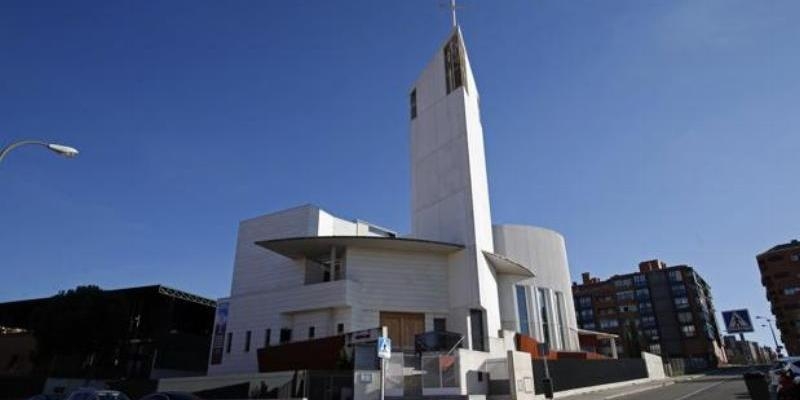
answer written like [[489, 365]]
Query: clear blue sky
[[639, 129]]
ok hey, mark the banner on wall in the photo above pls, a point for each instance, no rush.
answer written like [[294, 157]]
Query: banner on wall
[[220, 326]]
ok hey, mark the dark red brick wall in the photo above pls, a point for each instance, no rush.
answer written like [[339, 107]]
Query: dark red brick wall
[[318, 354]]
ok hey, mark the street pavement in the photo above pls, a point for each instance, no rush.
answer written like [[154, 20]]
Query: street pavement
[[724, 384]]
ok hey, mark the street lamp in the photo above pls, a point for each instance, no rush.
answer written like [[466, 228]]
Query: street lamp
[[60, 149], [769, 323]]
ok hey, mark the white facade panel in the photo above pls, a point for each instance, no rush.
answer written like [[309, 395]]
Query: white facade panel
[[321, 321], [254, 269], [395, 281]]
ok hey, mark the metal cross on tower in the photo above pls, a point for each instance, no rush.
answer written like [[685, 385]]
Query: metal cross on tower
[[452, 6], [453, 12]]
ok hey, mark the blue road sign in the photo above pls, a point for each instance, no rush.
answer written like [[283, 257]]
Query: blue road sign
[[737, 321], [384, 347]]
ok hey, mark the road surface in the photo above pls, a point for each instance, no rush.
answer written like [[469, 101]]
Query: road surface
[[725, 384]]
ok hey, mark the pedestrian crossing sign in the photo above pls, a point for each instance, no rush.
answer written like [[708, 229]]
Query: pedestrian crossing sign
[[384, 347], [737, 321]]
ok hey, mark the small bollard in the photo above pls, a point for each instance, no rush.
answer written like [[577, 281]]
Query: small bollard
[[547, 385]]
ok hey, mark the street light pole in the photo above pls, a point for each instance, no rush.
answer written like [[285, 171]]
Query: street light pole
[[60, 149], [774, 339]]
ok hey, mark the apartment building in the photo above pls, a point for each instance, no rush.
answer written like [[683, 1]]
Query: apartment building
[[780, 275], [660, 309]]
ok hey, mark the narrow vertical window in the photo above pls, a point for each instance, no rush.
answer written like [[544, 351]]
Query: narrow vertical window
[[453, 65], [544, 314], [230, 341], [247, 336], [267, 337], [522, 311], [311, 331], [413, 99], [340, 328], [476, 326], [286, 335], [561, 320]]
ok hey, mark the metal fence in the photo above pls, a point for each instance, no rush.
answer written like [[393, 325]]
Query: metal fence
[[395, 374], [439, 371], [571, 374]]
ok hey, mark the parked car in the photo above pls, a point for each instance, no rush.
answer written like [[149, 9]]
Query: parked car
[[171, 396], [777, 369], [96, 394]]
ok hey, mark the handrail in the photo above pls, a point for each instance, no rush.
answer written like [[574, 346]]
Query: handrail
[[456, 345]]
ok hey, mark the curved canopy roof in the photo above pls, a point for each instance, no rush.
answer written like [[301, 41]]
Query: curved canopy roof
[[315, 245], [505, 265]]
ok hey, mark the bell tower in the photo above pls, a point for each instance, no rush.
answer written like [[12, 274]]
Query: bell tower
[[450, 196]]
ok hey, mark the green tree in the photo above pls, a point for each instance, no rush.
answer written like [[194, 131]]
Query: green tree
[[632, 339]]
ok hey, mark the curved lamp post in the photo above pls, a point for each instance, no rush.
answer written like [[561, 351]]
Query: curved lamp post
[[769, 324], [60, 149]]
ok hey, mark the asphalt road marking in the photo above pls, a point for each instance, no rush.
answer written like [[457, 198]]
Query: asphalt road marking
[[703, 389]]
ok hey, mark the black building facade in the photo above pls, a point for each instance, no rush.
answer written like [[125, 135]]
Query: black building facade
[[133, 333]]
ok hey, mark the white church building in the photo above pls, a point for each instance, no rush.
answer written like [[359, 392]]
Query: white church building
[[305, 273]]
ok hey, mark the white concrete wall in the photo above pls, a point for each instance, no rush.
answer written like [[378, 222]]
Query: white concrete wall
[[469, 364], [331, 225], [545, 251], [259, 277], [256, 269], [321, 320], [520, 371], [655, 365]]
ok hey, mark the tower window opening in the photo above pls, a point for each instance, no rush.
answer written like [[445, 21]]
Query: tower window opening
[[453, 65]]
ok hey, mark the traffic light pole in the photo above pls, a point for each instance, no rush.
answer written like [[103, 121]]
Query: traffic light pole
[[384, 333]]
